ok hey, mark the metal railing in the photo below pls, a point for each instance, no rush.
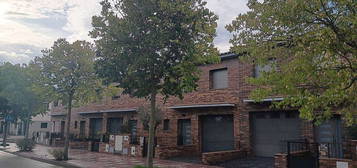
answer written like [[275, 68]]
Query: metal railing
[[328, 150]]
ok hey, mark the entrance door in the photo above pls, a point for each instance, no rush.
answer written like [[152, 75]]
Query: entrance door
[[271, 130], [217, 133], [184, 132], [95, 127]]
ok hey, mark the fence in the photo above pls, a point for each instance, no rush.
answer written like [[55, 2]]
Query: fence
[[305, 154]]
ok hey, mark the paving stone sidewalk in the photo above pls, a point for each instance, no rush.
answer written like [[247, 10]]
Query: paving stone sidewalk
[[87, 159]]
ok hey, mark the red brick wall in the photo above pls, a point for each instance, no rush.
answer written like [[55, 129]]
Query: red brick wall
[[217, 157], [238, 89], [331, 162], [280, 160]]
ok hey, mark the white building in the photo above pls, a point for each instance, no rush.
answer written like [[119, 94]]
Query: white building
[[40, 128]]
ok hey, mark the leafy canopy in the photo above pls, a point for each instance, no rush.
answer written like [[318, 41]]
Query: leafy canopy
[[315, 45], [17, 90], [154, 45], [68, 69]]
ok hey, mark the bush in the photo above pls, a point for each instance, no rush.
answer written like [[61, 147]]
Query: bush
[[58, 154], [25, 144]]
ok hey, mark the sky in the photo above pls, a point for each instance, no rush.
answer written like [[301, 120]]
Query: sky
[[28, 26]]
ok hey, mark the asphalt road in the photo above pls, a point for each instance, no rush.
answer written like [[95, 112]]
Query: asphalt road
[[8, 160]]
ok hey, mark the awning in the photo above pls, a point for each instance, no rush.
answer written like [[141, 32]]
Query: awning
[[263, 100], [89, 112], [58, 114], [118, 110], [202, 106], [108, 111]]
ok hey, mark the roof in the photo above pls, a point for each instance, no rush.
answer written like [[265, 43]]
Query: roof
[[202, 106], [41, 117], [58, 114], [228, 55], [263, 100]]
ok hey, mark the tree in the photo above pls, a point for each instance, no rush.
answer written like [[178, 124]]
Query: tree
[[152, 47], [17, 89], [144, 116], [315, 45], [66, 72]]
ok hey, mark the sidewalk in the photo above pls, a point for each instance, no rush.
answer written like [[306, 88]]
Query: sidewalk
[[11, 138], [84, 158]]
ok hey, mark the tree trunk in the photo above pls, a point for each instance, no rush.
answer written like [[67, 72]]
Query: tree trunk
[[150, 154], [27, 126], [68, 125], [5, 134]]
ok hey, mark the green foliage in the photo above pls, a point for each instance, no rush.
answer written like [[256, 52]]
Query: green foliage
[[125, 128], [17, 88], [314, 43], [58, 154], [68, 69], [4, 107], [66, 72], [144, 115], [154, 45], [25, 144]]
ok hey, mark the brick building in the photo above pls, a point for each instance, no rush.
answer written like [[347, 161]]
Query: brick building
[[216, 120]]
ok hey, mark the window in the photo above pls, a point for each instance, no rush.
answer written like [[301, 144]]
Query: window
[[43, 125], [75, 125], [184, 132], [114, 125], [82, 128], [95, 128], [219, 79], [259, 69], [166, 125], [133, 126]]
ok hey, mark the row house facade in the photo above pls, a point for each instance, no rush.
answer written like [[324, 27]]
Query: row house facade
[[216, 122]]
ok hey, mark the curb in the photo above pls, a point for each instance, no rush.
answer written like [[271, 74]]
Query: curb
[[49, 161]]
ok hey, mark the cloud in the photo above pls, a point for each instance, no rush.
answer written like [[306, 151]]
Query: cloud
[[18, 53], [227, 10], [79, 18], [27, 26]]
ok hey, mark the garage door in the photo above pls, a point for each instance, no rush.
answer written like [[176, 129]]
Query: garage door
[[272, 129], [217, 133]]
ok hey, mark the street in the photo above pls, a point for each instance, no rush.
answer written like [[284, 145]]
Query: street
[[8, 160]]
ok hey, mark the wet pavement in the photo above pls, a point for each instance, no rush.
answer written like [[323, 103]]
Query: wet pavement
[[252, 162], [87, 159], [8, 160]]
